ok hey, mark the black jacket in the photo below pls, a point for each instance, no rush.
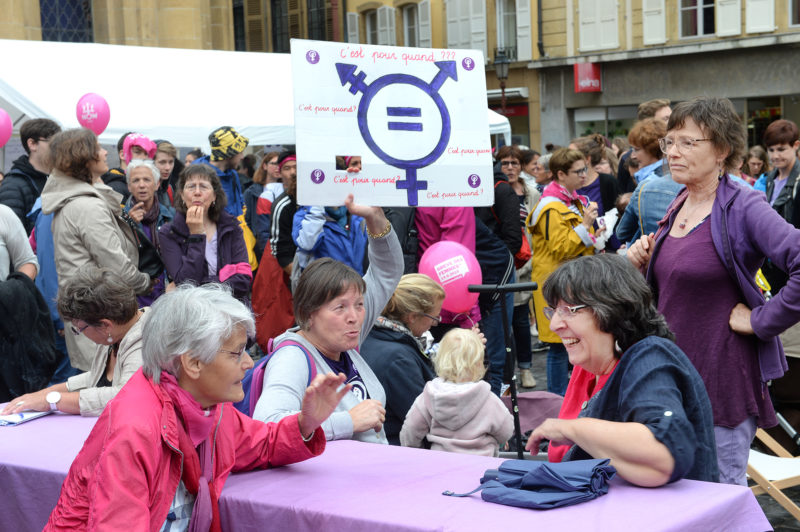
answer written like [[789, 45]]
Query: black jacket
[[115, 178], [403, 371], [503, 217], [496, 262], [20, 188]]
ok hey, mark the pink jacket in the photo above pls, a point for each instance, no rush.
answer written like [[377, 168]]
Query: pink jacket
[[128, 471], [460, 418]]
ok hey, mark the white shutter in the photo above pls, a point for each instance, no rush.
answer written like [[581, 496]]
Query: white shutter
[[729, 17], [524, 41], [424, 10], [608, 30], [759, 16], [477, 19], [654, 27], [383, 25], [392, 26], [453, 14], [352, 27], [587, 25]]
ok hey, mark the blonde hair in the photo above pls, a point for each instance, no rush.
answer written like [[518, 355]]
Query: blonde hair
[[415, 293], [460, 356]]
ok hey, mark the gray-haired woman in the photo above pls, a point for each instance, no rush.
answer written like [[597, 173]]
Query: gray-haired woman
[[702, 265], [159, 455], [102, 307], [335, 309], [633, 397]]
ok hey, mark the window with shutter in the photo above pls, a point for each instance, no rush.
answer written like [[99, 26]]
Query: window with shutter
[[654, 26], [316, 19], [352, 27], [507, 27], [254, 22], [410, 25], [794, 15], [729, 18], [760, 15], [696, 18], [424, 12], [477, 18], [280, 26], [371, 23], [385, 23]]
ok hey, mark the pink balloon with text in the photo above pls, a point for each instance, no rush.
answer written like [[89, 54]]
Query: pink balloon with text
[[93, 112], [454, 267], [6, 127]]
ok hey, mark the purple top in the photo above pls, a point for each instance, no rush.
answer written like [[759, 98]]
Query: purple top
[[345, 365], [592, 191], [779, 184], [701, 291]]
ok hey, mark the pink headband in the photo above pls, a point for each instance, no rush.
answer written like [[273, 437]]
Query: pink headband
[[289, 158]]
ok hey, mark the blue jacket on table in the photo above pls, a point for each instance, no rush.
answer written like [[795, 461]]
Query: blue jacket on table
[[184, 255], [229, 180], [746, 230], [656, 385], [403, 370], [318, 235]]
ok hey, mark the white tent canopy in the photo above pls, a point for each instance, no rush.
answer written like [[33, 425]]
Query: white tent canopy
[[175, 94]]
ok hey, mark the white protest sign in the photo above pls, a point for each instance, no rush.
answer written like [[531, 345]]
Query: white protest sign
[[416, 117]]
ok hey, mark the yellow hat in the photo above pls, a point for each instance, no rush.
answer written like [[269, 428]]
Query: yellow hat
[[226, 142]]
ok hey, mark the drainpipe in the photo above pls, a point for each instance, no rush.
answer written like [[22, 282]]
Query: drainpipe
[[539, 41]]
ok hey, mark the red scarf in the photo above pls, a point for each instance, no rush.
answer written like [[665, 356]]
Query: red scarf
[[195, 444], [583, 385]]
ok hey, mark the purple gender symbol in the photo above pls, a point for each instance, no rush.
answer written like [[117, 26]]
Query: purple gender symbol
[[474, 180], [312, 57], [318, 176], [468, 63]]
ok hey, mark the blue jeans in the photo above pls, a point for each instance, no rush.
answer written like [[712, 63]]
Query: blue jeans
[[557, 369], [492, 328], [521, 324]]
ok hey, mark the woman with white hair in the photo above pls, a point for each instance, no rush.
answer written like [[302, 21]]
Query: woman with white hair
[[150, 214], [159, 455]]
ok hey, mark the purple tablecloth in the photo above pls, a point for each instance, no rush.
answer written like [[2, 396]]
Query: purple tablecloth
[[359, 486]]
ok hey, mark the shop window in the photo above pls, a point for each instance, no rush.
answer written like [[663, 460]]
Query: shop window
[[697, 18], [66, 20]]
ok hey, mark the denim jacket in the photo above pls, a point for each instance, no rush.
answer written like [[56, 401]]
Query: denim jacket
[[649, 203]]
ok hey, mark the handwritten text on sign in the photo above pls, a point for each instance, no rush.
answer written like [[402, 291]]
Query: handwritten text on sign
[[416, 118]]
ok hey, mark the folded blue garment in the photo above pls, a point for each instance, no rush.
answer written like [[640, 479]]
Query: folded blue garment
[[542, 485]]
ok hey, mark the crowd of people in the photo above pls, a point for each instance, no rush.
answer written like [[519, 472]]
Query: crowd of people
[[150, 286]]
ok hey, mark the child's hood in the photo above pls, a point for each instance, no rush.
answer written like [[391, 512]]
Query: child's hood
[[453, 405]]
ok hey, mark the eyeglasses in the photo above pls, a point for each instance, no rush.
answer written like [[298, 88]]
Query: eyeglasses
[[436, 319], [203, 187], [564, 312], [77, 332], [273, 163], [238, 354], [509, 163], [581, 170], [683, 144]]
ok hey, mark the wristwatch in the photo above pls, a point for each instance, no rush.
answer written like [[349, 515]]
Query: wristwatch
[[53, 398]]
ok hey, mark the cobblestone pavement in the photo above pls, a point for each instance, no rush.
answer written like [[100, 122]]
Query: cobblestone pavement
[[780, 519]]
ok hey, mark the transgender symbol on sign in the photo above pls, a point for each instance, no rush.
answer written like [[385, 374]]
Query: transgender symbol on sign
[[447, 69]]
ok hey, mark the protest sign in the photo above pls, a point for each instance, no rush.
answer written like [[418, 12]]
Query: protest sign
[[416, 118]]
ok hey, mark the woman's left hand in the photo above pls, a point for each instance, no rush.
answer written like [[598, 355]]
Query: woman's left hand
[[320, 400], [374, 216], [739, 320], [552, 429]]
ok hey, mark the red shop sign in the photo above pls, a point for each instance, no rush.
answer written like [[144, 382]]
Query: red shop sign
[[588, 77]]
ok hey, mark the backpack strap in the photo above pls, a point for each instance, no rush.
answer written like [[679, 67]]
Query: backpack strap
[[257, 382]]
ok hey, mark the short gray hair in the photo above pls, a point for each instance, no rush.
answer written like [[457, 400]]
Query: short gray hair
[[191, 319], [147, 163], [544, 161]]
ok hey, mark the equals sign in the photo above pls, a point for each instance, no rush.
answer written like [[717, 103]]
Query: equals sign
[[404, 111]]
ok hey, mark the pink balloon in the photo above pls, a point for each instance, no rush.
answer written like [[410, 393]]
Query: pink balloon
[[93, 112], [6, 127], [454, 267]]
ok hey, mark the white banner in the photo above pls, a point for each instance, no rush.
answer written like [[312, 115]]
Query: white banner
[[416, 118]]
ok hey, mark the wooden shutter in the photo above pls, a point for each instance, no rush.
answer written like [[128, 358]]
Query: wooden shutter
[[424, 21], [295, 20], [728, 17], [760, 16], [255, 32], [524, 40], [352, 27], [654, 26]]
